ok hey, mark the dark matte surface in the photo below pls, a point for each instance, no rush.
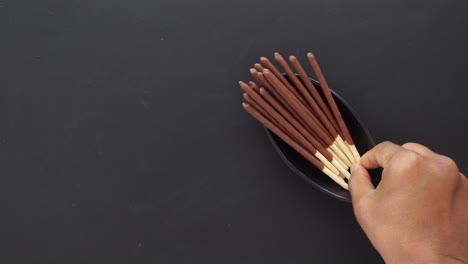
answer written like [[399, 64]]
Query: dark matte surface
[[97, 166]]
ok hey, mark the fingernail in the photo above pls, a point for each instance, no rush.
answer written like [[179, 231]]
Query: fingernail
[[353, 167]]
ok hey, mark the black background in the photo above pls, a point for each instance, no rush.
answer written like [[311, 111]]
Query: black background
[[122, 138]]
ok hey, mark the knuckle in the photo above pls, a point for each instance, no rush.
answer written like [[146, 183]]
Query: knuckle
[[412, 158], [448, 164], [408, 161], [385, 143], [410, 145]]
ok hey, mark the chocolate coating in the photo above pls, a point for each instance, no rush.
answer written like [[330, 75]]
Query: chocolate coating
[[329, 97], [283, 136]]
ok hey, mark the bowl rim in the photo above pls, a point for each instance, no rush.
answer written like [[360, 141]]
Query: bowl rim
[[299, 172]]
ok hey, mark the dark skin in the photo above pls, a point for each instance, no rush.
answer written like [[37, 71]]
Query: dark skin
[[419, 211]]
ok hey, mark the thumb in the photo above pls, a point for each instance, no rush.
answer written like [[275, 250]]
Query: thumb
[[360, 182]]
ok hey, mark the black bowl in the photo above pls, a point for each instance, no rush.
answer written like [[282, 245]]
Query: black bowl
[[362, 139]]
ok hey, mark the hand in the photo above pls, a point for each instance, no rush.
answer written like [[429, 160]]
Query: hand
[[419, 211]]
